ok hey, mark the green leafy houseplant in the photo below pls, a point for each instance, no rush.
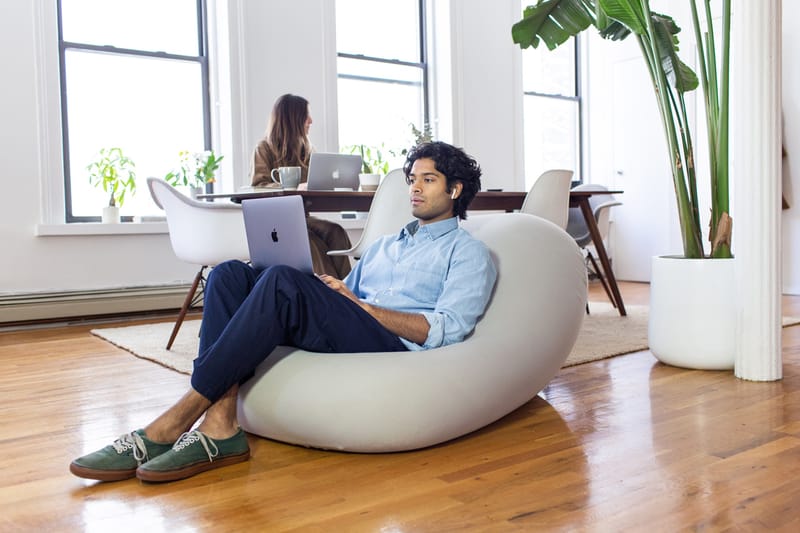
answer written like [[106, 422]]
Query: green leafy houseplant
[[196, 169], [373, 159], [115, 173], [555, 21], [423, 135]]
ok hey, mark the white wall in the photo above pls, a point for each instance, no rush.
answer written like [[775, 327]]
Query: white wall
[[485, 107], [31, 263], [487, 89], [278, 48]]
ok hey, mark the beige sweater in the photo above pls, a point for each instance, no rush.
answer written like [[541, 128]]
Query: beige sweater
[[264, 162]]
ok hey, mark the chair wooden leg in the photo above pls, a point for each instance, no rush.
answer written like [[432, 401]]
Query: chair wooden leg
[[187, 303], [601, 277]]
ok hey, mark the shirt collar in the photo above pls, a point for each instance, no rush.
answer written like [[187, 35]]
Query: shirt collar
[[433, 231]]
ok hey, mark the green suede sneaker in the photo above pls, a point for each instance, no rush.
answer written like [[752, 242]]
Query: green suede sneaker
[[195, 452], [119, 460]]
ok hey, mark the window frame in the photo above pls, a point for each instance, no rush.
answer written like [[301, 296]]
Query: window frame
[[63, 46], [423, 64], [578, 99]]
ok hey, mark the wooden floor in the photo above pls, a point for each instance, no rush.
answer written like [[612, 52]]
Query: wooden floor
[[624, 444]]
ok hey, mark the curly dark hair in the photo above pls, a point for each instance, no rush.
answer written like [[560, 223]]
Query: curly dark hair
[[456, 166]]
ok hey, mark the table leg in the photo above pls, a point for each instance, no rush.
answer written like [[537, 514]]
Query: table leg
[[591, 223]]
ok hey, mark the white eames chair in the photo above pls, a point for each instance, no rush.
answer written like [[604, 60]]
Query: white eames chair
[[576, 226], [202, 233], [389, 212], [549, 197]]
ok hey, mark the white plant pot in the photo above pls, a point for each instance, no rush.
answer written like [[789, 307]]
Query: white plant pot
[[110, 215], [194, 191], [693, 312], [369, 182]]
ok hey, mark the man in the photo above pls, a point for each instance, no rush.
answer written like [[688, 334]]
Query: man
[[422, 288]]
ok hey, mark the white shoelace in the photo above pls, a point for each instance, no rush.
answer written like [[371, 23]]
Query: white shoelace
[[190, 437], [132, 441]]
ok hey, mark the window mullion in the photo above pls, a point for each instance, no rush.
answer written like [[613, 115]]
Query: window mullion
[[362, 57], [108, 49]]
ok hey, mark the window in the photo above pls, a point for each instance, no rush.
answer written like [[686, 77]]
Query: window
[[134, 75], [552, 110], [382, 71]]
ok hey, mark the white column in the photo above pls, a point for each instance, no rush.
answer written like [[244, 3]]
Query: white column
[[755, 174]]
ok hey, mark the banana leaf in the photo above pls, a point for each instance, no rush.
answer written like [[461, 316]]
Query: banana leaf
[[553, 21]]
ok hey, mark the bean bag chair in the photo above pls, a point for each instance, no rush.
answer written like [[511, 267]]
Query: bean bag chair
[[396, 401]]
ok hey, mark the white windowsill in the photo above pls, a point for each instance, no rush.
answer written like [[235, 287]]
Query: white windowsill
[[96, 228], [347, 221]]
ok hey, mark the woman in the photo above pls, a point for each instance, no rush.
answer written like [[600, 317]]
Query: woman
[[286, 144]]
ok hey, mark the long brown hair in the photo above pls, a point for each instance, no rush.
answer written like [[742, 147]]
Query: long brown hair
[[286, 133]]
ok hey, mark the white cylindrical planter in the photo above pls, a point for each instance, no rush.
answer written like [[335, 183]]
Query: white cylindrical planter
[[693, 312], [110, 214]]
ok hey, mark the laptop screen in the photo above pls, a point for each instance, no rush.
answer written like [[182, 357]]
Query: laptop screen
[[277, 233], [332, 171]]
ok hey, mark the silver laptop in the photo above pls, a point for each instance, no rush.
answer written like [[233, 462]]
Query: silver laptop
[[332, 172], [276, 232]]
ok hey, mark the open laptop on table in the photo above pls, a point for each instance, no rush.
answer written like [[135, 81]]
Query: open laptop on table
[[276, 232], [332, 171]]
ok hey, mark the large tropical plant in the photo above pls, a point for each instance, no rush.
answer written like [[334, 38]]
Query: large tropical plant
[[555, 21]]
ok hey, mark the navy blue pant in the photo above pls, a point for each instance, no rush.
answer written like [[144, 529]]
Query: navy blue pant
[[247, 313]]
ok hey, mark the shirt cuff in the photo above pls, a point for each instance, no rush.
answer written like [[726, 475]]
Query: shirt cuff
[[436, 331]]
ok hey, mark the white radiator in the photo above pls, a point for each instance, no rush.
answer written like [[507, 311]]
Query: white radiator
[[67, 304]]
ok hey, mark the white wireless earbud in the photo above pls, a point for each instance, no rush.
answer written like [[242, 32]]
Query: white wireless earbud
[[453, 196]]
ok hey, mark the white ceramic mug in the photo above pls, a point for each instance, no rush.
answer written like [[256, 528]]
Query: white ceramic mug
[[288, 177]]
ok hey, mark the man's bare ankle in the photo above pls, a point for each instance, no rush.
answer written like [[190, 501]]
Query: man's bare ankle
[[218, 431], [162, 435]]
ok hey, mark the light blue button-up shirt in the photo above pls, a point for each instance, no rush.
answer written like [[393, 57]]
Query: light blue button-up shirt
[[438, 270]]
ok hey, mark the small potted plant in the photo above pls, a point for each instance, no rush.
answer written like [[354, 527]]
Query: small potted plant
[[196, 169], [373, 164], [116, 174]]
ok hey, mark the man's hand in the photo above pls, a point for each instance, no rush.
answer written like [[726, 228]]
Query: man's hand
[[339, 286], [411, 326]]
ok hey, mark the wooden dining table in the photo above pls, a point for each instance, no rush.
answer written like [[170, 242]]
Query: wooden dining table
[[333, 201]]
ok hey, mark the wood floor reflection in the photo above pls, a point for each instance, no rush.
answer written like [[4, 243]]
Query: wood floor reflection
[[623, 444]]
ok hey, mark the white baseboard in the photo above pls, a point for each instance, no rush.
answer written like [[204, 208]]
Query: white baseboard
[[792, 290], [68, 304]]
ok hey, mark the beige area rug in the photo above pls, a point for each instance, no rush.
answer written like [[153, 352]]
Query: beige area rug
[[604, 334]]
